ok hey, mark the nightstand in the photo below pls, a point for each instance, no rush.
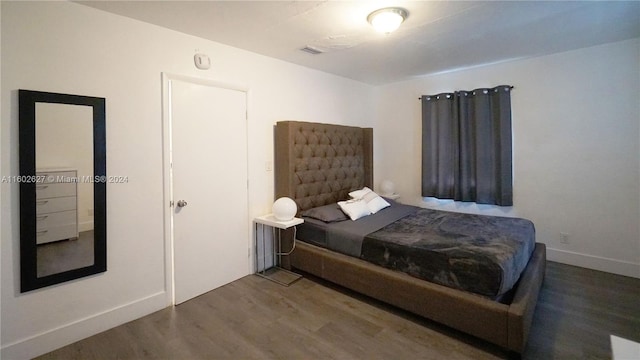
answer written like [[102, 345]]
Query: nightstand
[[275, 273]]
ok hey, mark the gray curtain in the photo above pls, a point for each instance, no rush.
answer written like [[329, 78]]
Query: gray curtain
[[466, 146]]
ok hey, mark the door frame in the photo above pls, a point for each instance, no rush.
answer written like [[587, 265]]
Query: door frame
[[169, 278]]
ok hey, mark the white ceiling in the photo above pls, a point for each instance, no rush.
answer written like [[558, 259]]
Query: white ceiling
[[437, 36]]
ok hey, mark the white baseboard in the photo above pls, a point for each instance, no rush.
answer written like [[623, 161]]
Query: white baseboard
[[56, 338], [614, 266]]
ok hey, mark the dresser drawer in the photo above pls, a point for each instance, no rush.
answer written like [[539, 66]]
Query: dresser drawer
[[50, 205], [56, 226], [52, 220], [48, 177], [51, 190], [56, 234]]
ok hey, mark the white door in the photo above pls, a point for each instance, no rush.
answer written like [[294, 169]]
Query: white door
[[209, 179]]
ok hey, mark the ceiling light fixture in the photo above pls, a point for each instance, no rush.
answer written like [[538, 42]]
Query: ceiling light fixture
[[387, 20]]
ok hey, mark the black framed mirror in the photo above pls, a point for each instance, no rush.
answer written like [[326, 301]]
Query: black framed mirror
[[63, 217]]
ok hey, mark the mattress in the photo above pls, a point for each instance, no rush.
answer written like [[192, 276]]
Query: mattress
[[481, 254]]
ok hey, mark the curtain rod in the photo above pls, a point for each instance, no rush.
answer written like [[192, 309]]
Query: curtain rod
[[510, 87]]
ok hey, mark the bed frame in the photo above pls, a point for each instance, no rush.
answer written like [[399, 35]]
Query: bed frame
[[318, 164]]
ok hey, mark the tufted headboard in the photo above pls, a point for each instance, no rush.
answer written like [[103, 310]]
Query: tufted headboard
[[319, 164]]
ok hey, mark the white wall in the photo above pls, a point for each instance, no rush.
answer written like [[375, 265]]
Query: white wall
[[69, 48], [576, 118]]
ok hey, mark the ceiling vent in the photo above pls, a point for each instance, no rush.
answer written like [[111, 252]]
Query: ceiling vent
[[311, 50]]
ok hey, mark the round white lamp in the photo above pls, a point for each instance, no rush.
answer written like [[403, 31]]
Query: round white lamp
[[387, 187], [284, 209]]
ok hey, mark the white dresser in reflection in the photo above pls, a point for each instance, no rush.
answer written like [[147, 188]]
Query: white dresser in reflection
[[56, 205]]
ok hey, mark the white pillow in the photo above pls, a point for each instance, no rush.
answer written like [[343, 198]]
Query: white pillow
[[374, 202], [359, 194], [355, 209]]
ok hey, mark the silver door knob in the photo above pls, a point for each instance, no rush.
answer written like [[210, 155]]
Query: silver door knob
[[181, 203]]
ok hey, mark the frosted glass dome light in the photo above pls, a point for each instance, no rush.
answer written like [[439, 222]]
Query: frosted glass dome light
[[284, 209], [387, 20], [387, 187]]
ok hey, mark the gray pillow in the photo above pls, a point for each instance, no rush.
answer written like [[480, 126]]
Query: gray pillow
[[327, 213]]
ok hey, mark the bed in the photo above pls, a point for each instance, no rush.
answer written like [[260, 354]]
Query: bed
[[318, 165]]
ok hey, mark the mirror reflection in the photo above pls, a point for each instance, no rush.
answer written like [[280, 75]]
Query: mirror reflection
[[64, 194]]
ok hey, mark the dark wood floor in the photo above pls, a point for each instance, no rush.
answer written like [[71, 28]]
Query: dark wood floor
[[76, 253], [253, 318]]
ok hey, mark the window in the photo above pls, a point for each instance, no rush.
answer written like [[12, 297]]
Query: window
[[466, 146]]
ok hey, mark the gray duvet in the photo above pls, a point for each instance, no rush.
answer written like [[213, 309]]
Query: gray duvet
[[476, 253], [480, 254]]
